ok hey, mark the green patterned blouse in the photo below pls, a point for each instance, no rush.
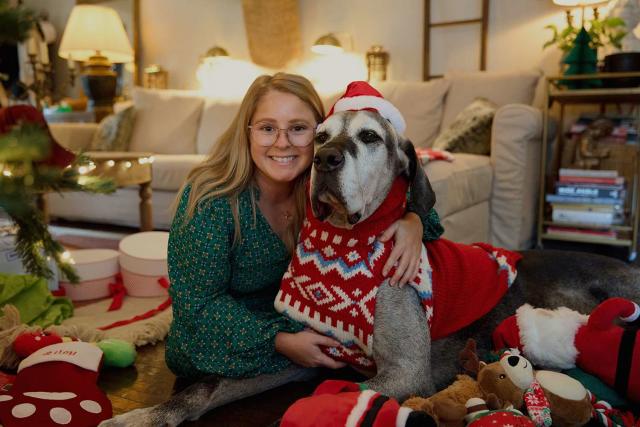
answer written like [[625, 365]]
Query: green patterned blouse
[[224, 322]]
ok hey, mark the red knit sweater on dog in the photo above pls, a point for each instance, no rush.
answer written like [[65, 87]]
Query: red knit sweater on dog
[[334, 275]]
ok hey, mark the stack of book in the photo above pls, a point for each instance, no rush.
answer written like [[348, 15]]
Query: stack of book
[[587, 202]]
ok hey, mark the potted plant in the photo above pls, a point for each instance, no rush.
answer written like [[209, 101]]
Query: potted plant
[[580, 46]]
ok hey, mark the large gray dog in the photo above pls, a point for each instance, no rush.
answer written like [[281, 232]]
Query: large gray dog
[[358, 155]]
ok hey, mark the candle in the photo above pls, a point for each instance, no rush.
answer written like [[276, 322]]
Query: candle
[[44, 53], [32, 46]]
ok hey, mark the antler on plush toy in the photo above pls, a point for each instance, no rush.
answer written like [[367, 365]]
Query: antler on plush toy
[[564, 339]]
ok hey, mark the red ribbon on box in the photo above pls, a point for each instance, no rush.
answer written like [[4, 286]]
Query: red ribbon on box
[[117, 291]]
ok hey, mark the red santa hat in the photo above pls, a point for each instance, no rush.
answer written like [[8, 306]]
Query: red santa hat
[[342, 403], [362, 96]]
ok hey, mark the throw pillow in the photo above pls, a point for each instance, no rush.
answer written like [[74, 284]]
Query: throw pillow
[[507, 87], [421, 104], [470, 132], [114, 131]]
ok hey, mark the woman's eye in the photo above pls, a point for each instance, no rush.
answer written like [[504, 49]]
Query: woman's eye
[[368, 136], [299, 128], [267, 128], [322, 137]]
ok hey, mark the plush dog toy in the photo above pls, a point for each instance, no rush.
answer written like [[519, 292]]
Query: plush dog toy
[[564, 339], [342, 403], [447, 406], [545, 395]]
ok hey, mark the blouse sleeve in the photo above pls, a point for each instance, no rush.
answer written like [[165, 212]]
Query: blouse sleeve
[[216, 333], [432, 228]]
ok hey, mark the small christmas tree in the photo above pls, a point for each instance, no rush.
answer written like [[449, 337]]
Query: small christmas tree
[[581, 59], [32, 163]]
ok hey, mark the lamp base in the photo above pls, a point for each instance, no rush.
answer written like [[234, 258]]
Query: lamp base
[[99, 83]]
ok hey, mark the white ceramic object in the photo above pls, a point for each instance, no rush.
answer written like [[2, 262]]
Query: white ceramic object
[[143, 261], [96, 269]]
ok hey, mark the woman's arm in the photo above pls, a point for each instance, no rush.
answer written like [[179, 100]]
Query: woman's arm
[[213, 332], [408, 234]]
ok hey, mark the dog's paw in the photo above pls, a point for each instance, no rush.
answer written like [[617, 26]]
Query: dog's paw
[[144, 417]]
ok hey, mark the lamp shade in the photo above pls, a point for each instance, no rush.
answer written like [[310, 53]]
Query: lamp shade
[[327, 44], [92, 29], [576, 3]]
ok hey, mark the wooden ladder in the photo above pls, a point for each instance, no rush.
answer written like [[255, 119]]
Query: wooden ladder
[[483, 20]]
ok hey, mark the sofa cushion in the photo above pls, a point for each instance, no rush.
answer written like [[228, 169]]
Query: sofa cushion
[[501, 88], [166, 121], [460, 184], [216, 118], [171, 170], [421, 104]]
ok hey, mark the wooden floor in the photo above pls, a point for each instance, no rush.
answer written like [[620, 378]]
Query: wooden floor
[[150, 382]]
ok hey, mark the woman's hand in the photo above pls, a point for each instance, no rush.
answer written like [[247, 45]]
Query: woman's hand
[[407, 247], [303, 348]]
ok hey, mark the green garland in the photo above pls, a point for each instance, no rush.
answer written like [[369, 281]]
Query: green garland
[[22, 180], [15, 22]]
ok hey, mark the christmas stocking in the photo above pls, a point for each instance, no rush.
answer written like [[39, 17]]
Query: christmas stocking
[[56, 386]]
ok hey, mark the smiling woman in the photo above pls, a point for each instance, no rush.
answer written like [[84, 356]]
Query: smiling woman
[[235, 228]]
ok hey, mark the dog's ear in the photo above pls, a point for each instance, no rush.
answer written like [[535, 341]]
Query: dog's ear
[[422, 196]]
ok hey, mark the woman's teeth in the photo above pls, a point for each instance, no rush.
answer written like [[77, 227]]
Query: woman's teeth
[[287, 159]]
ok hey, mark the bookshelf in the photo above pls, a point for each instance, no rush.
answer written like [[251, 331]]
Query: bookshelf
[[555, 223]]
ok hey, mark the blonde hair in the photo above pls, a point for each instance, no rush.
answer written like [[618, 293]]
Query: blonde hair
[[229, 169]]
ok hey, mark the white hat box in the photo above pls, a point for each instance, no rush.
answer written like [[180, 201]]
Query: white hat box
[[143, 262], [96, 269]]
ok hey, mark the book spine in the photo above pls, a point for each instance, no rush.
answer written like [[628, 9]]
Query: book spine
[[605, 218], [582, 231], [554, 198], [594, 173], [588, 207], [613, 192], [569, 179]]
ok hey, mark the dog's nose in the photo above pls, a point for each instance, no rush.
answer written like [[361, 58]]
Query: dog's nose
[[513, 360], [328, 159]]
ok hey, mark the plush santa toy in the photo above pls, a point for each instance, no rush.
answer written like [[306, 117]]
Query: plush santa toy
[[564, 339], [56, 386], [342, 403]]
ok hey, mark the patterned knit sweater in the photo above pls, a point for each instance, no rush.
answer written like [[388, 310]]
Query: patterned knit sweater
[[333, 278]]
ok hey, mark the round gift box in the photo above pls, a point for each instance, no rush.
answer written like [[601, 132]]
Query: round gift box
[[96, 269], [143, 261]]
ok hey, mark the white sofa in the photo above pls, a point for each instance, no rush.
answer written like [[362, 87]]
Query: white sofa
[[479, 198]]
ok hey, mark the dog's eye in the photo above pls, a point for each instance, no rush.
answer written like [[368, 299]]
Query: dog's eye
[[368, 136], [322, 137], [502, 376]]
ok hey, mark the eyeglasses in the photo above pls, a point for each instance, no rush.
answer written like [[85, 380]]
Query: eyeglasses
[[298, 135]]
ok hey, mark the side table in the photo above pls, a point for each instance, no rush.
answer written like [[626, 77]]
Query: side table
[[127, 168]]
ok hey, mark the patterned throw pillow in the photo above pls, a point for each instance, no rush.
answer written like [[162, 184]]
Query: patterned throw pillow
[[114, 131], [470, 132]]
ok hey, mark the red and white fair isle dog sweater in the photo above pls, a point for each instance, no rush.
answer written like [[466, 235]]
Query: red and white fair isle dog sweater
[[334, 276]]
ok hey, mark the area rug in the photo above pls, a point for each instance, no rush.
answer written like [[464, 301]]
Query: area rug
[[93, 322], [86, 322]]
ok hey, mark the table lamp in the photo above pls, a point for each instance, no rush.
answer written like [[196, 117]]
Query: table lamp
[[95, 35], [582, 4], [327, 44]]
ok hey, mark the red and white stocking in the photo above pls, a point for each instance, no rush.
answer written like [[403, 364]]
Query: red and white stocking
[[56, 386]]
